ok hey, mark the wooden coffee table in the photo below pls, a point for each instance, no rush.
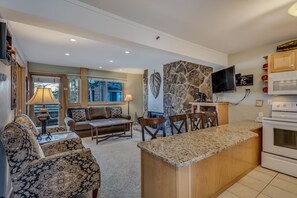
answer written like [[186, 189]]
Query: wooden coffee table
[[96, 125]]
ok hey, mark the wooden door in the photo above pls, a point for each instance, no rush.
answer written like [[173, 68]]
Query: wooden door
[[21, 90], [283, 61]]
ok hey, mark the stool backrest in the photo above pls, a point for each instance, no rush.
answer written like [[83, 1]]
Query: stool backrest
[[211, 119], [196, 120], [178, 122], [145, 122]]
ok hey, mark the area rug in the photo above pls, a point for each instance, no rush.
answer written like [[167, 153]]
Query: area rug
[[119, 161]]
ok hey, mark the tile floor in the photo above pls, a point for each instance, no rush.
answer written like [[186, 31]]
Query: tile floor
[[263, 183]]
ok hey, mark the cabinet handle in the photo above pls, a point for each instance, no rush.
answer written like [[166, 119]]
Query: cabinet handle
[[292, 65]]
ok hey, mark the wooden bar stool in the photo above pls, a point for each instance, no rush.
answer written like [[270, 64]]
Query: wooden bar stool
[[196, 120], [159, 122], [177, 122], [211, 119]]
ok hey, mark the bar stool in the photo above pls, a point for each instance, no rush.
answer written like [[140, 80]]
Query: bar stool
[[211, 119], [177, 122], [196, 120], [145, 122]]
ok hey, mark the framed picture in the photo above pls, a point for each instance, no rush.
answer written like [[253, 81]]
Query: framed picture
[[13, 85]]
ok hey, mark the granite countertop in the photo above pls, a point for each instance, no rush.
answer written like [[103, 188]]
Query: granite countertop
[[184, 149]]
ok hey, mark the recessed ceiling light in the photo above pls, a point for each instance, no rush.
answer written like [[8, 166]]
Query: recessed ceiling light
[[127, 52], [72, 39], [111, 61], [100, 67], [121, 70], [67, 54], [293, 10]]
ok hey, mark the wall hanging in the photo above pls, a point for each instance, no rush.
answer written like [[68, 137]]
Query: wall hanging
[[13, 84], [155, 83]]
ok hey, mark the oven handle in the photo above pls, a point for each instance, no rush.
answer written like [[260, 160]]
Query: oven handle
[[283, 123]]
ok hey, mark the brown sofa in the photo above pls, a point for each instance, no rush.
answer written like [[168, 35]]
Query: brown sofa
[[83, 129]]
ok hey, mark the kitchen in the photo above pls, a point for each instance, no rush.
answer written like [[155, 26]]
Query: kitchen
[[279, 106]]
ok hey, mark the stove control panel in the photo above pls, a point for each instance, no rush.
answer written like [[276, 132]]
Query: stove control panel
[[284, 106]]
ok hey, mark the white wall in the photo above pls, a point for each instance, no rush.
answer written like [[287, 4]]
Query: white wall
[[155, 104], [251, 62], [6, 116], [134, 87]]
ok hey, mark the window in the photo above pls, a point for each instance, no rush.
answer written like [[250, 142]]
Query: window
[[115, 91], [105, 91], [97, 90], [74, 90]]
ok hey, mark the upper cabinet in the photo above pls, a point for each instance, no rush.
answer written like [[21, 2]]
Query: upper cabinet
[[283, 61]]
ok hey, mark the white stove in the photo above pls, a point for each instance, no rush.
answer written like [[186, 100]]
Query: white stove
[[280, 138]]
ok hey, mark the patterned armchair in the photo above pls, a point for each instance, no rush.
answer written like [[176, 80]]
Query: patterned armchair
[[50, 170], [26, 120]]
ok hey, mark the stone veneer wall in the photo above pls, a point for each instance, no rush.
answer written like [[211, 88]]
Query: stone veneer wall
[[182, 81]]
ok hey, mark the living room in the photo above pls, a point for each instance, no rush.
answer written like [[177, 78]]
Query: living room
[[137, 58]]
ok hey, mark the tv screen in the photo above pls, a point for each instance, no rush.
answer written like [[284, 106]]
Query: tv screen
[[223, 80], [2, 40]]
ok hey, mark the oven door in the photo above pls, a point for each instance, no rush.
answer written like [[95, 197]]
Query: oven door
[[280, 138]]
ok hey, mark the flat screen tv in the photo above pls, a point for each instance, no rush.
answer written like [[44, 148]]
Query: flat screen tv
[[3, 34], [224, 80]]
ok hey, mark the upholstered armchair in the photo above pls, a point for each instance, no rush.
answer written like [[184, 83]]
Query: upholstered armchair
[[50, 170], [26, 120]]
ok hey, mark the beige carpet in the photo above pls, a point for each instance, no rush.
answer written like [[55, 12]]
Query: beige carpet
[[119, 160]]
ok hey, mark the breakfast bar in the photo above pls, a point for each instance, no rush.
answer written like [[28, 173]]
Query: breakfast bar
[[199, 163]]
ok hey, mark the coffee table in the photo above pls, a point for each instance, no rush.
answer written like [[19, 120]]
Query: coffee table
[[96, 125]]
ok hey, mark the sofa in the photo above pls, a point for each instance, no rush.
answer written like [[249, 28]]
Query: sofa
[[78, 119]]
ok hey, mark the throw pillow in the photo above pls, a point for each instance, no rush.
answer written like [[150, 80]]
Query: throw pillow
[[79, 115], [116, 112]]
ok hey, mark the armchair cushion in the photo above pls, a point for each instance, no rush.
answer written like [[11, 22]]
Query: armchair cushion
[[21, 147], [56, 129], [26, 120], [63, 175], [62, 145]]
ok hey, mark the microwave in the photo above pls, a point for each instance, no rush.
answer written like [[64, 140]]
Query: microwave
[[282, 83]]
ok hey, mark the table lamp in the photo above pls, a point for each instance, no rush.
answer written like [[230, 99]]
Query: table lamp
[[43, 96], [128, 98]]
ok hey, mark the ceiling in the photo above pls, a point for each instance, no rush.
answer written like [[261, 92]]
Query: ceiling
[[224, 26], [42, 45], [228, 26]]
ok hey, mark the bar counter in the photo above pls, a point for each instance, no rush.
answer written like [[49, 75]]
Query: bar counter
[[199, 163]]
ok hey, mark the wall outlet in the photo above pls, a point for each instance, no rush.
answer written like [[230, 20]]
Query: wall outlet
[[260, 114], [269, 102]]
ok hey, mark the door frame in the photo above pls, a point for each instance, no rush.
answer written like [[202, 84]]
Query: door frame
[[62, 94]]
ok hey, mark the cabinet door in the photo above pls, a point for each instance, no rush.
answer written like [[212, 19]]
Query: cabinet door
[[284, 61]]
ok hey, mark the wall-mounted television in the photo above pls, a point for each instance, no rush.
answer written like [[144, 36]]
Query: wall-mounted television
[[3, 35], [224, 80]]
